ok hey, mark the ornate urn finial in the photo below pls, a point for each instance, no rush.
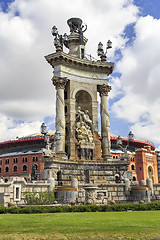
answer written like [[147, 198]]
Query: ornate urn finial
[[77, 26]]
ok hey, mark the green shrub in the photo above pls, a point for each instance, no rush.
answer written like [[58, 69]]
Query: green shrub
[[82, 208], [14, 210], [3, 209]]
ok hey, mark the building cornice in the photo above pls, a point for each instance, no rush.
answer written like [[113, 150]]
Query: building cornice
[[58, 58]]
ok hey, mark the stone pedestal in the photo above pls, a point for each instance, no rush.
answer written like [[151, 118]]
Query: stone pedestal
[[90, 194]]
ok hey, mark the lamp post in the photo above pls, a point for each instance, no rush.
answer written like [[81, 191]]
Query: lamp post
[[119, 143], [58, 39], [103, 53], [46, 135]]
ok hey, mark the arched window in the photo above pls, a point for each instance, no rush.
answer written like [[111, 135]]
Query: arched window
[[0, 170], [117, 179], [132, 167], [134, 178], [36, 166], [24, 169], [15, 169], [7, 169], [150, 172]]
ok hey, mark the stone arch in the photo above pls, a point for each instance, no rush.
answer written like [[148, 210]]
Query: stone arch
[[83, 89], [83, 99]]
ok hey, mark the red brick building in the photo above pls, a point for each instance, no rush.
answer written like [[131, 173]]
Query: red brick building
[[17, 157], [143, 158]]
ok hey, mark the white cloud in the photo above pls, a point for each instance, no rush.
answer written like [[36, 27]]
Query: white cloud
[[26, 92], [140, 79], [10, 129]]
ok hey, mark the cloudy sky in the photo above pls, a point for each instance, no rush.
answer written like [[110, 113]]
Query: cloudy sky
[[27, 96]]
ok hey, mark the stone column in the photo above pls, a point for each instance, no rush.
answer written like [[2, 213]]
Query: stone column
[[60, 83], [105, 124]]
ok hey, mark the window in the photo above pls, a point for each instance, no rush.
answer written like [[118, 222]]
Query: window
[[113, 157], [35, 159], [0, 170], [132, 167], [0, 161], [7, 169], [140, 168], [24, 159], [24, 169], [15, 160], [15, 169], [7, 161], [17, 192]]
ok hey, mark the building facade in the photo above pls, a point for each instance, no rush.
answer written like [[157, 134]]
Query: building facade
[[18, 157]]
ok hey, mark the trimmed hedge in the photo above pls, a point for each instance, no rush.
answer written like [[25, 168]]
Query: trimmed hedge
[[82, 208]]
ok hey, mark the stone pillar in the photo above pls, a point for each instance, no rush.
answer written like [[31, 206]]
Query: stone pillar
[[60, 83], [127, 186], [149, 184], [142, 183], [105, 124]]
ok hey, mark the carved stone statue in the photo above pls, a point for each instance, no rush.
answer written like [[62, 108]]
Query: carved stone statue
[[83, 127], [84, 134]]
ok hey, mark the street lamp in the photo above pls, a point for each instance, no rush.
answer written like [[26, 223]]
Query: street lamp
[[101, 52], [119, 141], [43, 128], [130, 136], [45, 133], [58, 39]]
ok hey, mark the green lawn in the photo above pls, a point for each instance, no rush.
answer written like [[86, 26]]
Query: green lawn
[[88, 225]]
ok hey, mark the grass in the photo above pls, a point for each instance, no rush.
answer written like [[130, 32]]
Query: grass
[[92, 225]]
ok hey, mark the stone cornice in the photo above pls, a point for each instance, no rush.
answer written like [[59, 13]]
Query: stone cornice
[[57, 58]]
